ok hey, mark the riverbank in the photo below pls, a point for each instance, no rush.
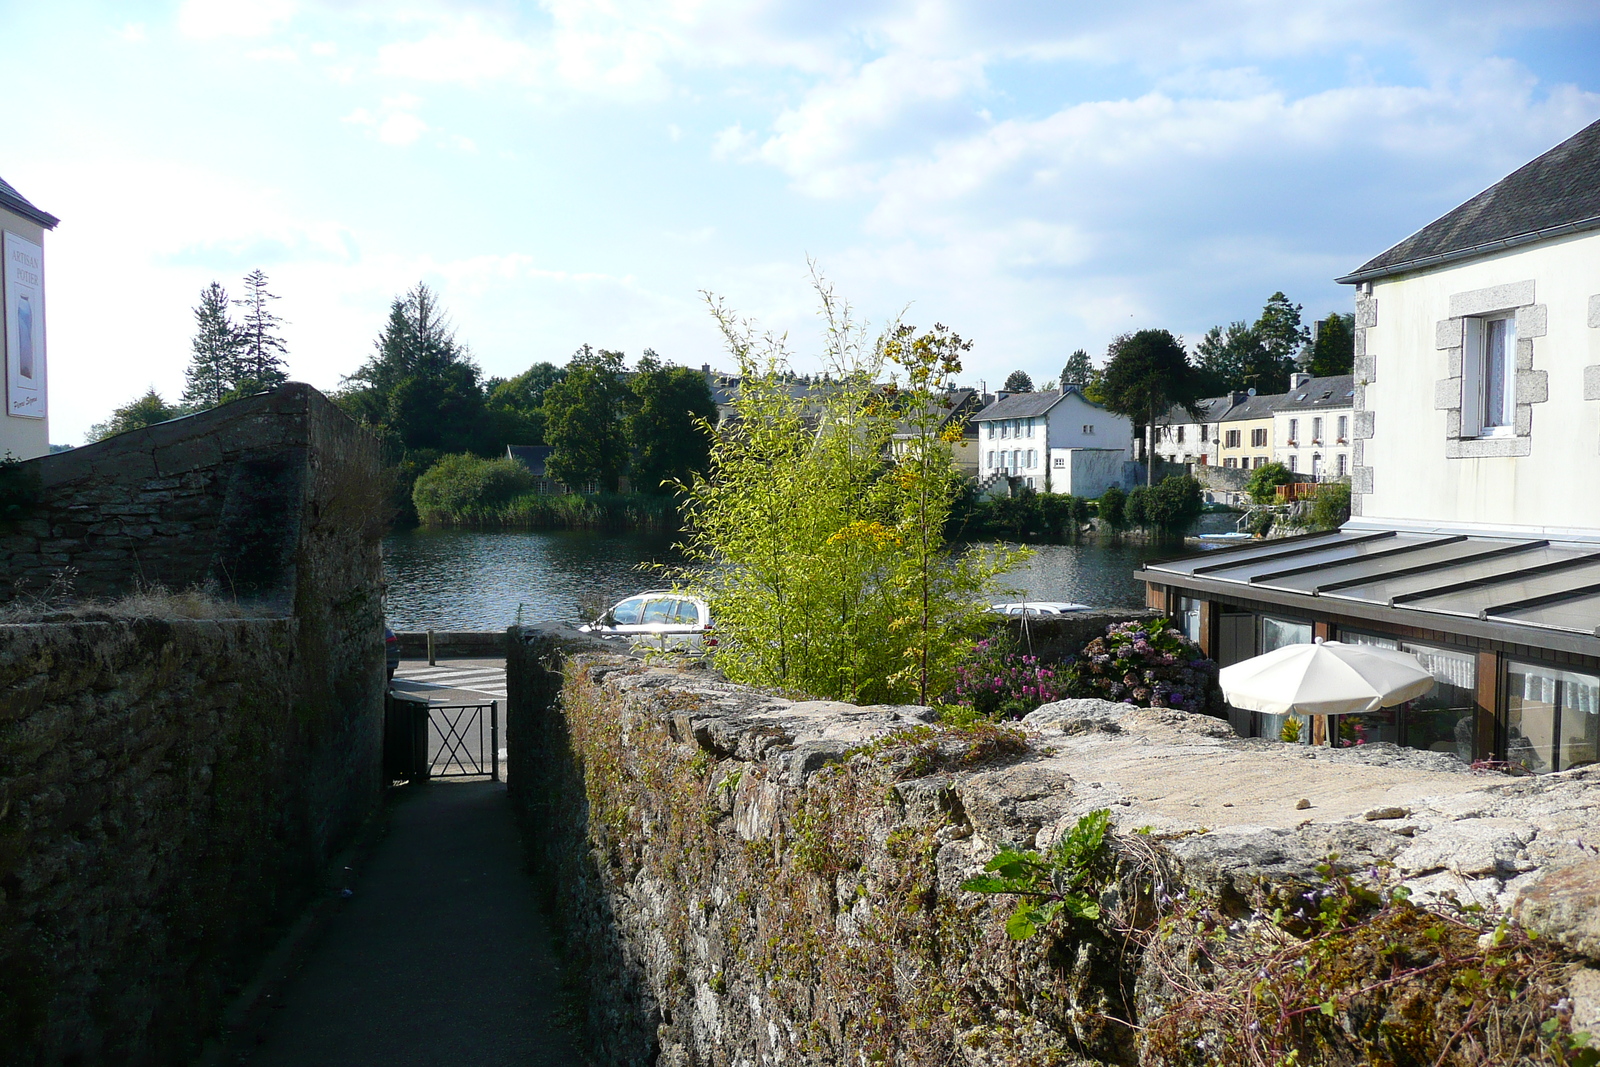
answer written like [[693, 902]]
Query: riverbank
[[607, 512]]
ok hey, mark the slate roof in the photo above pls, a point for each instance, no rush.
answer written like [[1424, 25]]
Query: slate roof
[[1556, 194], [12, 200], [532, 456], [1025, 405], [1212, 409], [956, 403], [1254, 407], [1334, 391]]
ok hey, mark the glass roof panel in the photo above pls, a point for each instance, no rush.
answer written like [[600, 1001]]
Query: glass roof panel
[[1381, 590], [1471, 601], [1580, 613], [1187, 564], [1331, 554], [1440, 556]]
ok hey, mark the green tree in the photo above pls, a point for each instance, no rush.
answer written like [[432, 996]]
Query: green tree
[[1330, 507], [1282, 334], [584, 417], [669, 425], [261, 346], [1334, 351], [1146, 374], [1018, 382], [1113, 509], [1174, 505], [515, 406], [214, 363], [1078, 370], [824, 561], [138, 413], [1236, 357], [1264, 481]]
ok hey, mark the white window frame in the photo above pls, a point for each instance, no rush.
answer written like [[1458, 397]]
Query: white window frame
[[1294, 433], [1474, 380]]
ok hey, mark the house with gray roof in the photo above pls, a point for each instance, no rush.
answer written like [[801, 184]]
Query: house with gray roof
[[1055, 441], [1474, 538], [1311, 426]]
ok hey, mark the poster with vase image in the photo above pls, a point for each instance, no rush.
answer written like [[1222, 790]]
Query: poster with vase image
[[24, 333]]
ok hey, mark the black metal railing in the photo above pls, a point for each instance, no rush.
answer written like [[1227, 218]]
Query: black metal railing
[[457, 746]]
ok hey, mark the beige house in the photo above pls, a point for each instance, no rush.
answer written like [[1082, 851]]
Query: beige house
[[1474, 542], [1247, 432], [25, 428]]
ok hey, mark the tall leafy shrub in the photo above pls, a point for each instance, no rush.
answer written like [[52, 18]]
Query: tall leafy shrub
[[828, 573], [464, 486]]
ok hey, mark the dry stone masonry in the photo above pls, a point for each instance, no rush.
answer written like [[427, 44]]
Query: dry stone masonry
[[744, 879], [171, 788]]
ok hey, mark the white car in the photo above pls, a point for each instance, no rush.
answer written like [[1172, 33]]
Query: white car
[[658, 620], [1039, 608]]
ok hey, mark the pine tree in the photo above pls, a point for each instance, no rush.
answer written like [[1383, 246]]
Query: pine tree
[[1078, 370], [262, 349], [1018, 381], [214, 367]]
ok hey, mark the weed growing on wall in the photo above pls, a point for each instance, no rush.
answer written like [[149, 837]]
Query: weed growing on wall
[[817, 536], [1064, 880]]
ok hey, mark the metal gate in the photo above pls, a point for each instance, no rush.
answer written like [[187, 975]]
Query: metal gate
[[425, 741], [457, 740]]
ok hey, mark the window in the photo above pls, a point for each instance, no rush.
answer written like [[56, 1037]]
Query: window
[[1341, 464], [1316, 431], [1230, 462], [1258, 438], [1030, 427], [1033, 458], [990, 462], [1005, 430], [688, 613], [1188, 618], [1316, 464], [1294, 432], [1016, 458], [1276, 633], [991, 435], [1344, 429], [1180, 435], [1232, 439], [1205, 434], [1294, 463], [1088, 428], [1441, 720], [1488, 377], [627, 613], [1061, 462], [659, 611], [1552, 717]]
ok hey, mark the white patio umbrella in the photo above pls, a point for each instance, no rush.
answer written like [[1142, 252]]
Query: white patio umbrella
[[1329, 678]]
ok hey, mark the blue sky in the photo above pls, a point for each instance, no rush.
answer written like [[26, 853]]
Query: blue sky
[[1037, 177]]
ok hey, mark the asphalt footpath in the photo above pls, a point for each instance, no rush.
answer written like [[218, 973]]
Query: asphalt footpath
[[439, 957]]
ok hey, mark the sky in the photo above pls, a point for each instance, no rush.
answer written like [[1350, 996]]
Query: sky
[[1039, 177]]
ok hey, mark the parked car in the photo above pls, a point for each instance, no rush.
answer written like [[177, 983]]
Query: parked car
[[1039, 607], [659, 619], [391, 650]]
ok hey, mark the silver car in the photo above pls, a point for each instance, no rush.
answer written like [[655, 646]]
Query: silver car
[[658, 620]]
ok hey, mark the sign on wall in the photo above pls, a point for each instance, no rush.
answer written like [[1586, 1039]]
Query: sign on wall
[[24, 304]]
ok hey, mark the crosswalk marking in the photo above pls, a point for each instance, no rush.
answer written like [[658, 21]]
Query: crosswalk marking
[[487, 680]]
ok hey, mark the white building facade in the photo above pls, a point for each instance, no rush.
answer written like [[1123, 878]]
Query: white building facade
[[25, 426], [1053, 441], [1312, 426]]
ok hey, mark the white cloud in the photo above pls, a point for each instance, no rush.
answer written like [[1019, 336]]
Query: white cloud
[[395, 122], [206, 19]]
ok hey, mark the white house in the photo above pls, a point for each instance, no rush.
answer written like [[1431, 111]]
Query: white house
[[1311, 426], [25, 427], [1182, 437], [1053, 441], [1474, 541]]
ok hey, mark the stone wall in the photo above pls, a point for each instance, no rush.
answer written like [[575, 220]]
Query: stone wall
[[170, 788], [743, 879]]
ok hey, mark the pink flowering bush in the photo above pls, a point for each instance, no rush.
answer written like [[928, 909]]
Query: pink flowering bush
[[998, 682], [1149, 664]]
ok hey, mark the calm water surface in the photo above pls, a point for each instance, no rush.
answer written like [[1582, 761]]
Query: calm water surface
[[478, 580]]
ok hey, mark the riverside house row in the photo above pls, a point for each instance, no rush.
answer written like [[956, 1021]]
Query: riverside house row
[[1306, 429], [1474, 540]]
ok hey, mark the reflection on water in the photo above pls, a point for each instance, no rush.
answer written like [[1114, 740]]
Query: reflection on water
[[477, 580]]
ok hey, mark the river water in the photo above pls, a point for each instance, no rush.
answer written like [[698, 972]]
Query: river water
[[487, 580]]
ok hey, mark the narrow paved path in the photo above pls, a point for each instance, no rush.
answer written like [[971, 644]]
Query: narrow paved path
[[441, 957]]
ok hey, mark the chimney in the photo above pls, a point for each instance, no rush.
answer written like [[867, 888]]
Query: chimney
[[705, 368], [1297, 379]]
